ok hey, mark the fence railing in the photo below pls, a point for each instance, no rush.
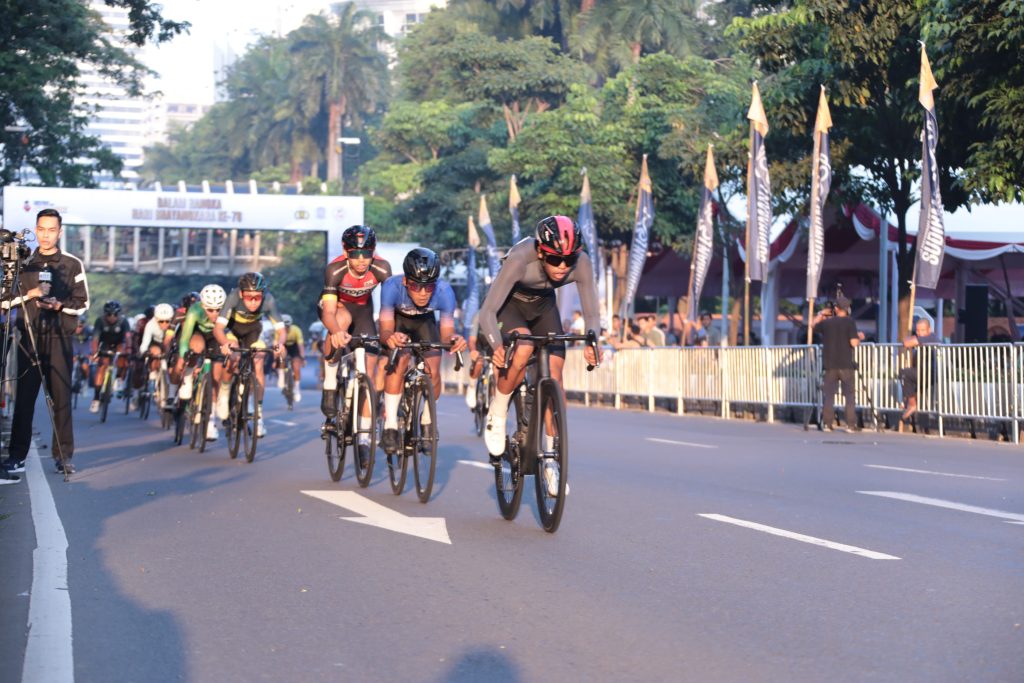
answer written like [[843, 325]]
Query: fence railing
[[968, 381]]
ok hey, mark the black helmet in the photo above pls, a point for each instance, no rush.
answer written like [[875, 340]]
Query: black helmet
[[358, 237], [422, 265], [252, 282], [189, 299], [112, 307], [559, 235], [148, 313]]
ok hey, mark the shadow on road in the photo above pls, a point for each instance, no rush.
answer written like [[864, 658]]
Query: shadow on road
[[483, 664]]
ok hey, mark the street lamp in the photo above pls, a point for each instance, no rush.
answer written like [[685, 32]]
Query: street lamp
[[341, 159]]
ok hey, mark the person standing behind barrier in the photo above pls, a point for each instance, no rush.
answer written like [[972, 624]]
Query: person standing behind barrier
[[839, 337], [909, 376]]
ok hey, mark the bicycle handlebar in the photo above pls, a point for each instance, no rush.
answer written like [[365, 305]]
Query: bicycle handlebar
[[420, 346], [363, 340], [590, 338]]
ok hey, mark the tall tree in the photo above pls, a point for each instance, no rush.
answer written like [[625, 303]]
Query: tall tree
[[342, 69]]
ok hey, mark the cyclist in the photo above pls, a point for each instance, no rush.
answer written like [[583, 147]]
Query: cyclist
[[81, 351], [295, 351], [182, 309], [155, 337], [195, 334], [245, 308], [110, 335], [522, 299], [408, 304], [350, 279]]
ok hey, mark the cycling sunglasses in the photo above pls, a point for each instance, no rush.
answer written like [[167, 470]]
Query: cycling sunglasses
[[360, 253], [258, 296], [163, 322], [420, 287], [555, 260]]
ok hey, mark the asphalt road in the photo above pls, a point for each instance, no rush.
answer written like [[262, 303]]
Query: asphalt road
[[692, 549]]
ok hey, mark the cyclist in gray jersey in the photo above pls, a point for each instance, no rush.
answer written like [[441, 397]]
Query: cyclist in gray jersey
[[522, 298]]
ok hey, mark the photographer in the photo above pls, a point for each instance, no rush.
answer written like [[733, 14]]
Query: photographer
[[839, 337], [52, 293]]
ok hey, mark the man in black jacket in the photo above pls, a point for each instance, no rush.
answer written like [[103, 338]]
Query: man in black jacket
[[839, 336], [48, 316]]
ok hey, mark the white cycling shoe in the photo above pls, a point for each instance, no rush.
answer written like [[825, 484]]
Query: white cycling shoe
[[261, 430], [211, 432], [494, 434]]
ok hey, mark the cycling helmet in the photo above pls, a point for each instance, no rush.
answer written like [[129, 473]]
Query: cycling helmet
[[286, 319], [163, 312], [213, 296], [189, 299], [559, 235], [252, 282], [148, 313], [358, 237], [112, 307], [422, 265]]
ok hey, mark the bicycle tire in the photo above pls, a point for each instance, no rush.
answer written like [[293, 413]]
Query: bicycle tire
[[205, 409], [289, 387], [480, 409], [424, 440], [364, 391], [127, 394], [550, 507], [166, 416], [179, 422], [250, 404], [105, 395], [398, 464], [508, 478], [191, 413], [334, 447], [236, 422]]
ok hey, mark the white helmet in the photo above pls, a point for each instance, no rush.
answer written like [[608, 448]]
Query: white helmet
[[163, 312], [212, 296]]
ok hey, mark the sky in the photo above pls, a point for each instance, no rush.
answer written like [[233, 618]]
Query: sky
[[186, 63]]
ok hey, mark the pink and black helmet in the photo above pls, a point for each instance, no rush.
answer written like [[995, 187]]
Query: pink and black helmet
[[559, 235]]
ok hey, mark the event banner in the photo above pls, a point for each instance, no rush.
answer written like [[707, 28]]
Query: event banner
[[513, 208], [493, 264], [931, 233], [585, 219], [821, 181], [472, 304], [759, 193], [702, 239], [641, 232]]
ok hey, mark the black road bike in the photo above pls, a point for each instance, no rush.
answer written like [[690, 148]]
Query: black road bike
[[243, 406], [484, 388], [538, 441], [417, 436], [355, 393]]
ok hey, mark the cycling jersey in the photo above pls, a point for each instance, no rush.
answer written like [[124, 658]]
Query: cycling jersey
[[341, 283], [111, 335], [235, 313], [294, 336], [196, 321], [153, 334], [523, 280], [395, 302]]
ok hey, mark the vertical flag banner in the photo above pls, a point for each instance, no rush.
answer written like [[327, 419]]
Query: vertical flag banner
[[821, 181], [585, 219], [641, 231], [759, 193], [492, 246], [472, 304], [702, 239], [931, 237], [513, 208]]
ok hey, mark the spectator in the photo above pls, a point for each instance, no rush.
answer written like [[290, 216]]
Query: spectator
[[577, 326], [839, 337], [634, 339], [712, 335], [670, 338], [649, 330], [909, 376]]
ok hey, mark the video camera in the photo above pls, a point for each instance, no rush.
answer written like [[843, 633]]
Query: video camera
[[13, 247]]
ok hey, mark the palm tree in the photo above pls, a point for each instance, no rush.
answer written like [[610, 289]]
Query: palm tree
[[616, 34], [341, 70]]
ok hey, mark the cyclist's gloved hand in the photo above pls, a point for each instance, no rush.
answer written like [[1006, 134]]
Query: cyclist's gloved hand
[[590, 357], [397, 339], [458, 344], [340, 338]]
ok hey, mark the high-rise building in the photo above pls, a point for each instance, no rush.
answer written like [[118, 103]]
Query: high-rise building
[[397, 17]]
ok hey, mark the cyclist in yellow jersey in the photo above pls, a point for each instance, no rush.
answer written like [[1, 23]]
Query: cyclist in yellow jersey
[[294, 349]]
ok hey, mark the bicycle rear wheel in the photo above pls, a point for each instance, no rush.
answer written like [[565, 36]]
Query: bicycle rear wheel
[[364, 395], [289, 387], [552, 456], [508, 479], [250, 412], [423, 441], [398, 464], [105, 394], [236, 422], [480, 410], [205, 409], [180, 417], [127, 393]]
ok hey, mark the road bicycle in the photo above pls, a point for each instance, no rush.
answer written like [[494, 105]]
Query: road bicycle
[[79, 381], [199, 408], [355, 392], [417, 437], [107, 383], [538, 441], [127, 391], [244, 405], [484, 389], [289, 384]]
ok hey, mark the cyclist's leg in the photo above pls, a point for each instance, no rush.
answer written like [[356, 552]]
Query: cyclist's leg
[[393, 391]]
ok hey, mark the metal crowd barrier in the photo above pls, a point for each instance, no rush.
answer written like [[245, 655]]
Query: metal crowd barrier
[[955, 381]]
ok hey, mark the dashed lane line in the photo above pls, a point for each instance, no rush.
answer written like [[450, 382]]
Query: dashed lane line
[[832, 545], [681, 443], [947, 504], [938, 474]]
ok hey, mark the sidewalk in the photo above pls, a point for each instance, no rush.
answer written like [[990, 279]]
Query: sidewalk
[[17, 543]]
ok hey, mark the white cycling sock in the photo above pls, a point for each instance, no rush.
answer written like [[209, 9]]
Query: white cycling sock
[[391, 402], [364, 424], [499, 404], [280, 378], [425, 416], [330, 376]]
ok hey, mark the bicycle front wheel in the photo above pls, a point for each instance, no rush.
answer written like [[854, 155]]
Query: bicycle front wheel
[[398, 464], [105, 395], [423, 440], [552, 456], [250, 410], [364, 395], [236, 421], [205, 409], [508, 478], [480, 410]]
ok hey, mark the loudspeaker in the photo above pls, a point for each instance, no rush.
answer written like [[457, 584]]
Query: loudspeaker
[[975, 314]]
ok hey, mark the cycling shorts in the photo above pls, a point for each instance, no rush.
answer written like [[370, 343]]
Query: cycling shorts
[[540, 316], [419, 328], [362, 323], [248, 334], [292, 351]]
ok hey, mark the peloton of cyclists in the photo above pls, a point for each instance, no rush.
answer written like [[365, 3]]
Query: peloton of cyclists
[[408, 303]]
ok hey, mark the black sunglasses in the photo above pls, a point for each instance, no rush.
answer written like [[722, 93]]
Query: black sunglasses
[[360, 253], [554, 260]]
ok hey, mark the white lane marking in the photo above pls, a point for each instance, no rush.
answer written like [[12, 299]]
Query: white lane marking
[[853, 550], [938, 474], [477, 463], [948, 504], [48, 655], [681, 443], [286, 423], [1009, 522], [374, 514]]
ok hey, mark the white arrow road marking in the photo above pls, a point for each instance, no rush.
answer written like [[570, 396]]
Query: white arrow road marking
[[681, 443], [948, 504], [286, 423], [938, 474], [374, 514], [853, 550], [477, 463]]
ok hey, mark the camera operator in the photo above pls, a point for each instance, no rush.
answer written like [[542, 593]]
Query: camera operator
[[839, 336], [47, 321]]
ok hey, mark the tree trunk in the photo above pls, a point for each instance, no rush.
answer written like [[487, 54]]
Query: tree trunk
[[333, 133], [636, 49], [734, 320], [296, 175], [587, 5]]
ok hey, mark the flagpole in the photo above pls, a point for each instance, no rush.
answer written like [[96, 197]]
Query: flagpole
[[746, 272]]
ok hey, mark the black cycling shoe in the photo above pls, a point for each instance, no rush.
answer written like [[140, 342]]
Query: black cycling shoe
[[389, 441], [363, 451], [495, 460], [328, 427], [328, 402]]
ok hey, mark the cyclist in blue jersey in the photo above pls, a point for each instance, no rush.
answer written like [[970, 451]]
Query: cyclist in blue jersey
[[410, 306]]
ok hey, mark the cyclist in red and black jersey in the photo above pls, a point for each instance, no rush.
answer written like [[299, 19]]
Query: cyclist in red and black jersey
[[350, 279]]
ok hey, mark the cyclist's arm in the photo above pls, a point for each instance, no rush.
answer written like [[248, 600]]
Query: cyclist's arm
[[188, 326], [147, 336], [446, 306], [508, 276], [389, 295], [583, 275]]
